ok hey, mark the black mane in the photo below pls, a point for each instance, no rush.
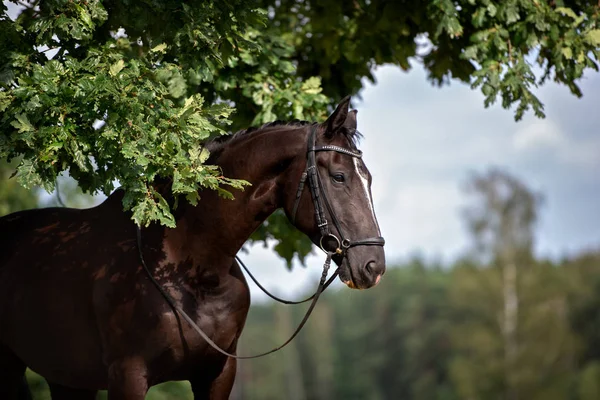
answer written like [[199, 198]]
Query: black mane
[[220, 140]]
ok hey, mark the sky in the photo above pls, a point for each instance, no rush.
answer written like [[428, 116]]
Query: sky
[[422, 143]]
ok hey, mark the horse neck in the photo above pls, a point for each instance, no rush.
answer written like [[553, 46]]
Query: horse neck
[[216, 229]]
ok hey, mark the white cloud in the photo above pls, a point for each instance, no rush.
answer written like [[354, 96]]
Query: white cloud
[[423, 216], [547, 137], [538, 133]]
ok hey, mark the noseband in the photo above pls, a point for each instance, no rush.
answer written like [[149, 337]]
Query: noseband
[[343, 243]]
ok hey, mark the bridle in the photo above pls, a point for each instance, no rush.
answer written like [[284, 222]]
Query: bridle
[[310, 174]]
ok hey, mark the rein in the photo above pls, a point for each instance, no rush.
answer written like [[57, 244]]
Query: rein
[[310, 174], [203, 334], [278, 299]]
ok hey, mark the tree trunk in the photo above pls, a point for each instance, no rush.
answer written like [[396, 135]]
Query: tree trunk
[[511, 314]]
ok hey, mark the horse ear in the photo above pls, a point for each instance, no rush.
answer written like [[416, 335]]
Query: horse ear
[[350, 123], [339, 116]]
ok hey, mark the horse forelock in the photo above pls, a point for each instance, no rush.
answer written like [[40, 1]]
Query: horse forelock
[[353, 136]]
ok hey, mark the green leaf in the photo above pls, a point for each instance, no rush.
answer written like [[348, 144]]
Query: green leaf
[[22, 123], [204, 154], [164, 213], [487, 90], [593, 37], [117, 67], [512, 14], [298, 111], [177, 86], [5, 100], [159, 49], [566, 11], [86, 18], [27, 174], [312, 85], [470, 53]]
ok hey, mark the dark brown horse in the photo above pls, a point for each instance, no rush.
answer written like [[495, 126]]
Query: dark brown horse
[[77, 307]]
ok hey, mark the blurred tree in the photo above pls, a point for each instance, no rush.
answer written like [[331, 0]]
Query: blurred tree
[[359, 353], [261, 378], [292, 370], [436, 333], [127, 91], [589, 382], [501, 222], [477, 367], [582, 275], [412, 333], [316, 348], [384, 344], [545, 357], [507, 348], [502, 216]]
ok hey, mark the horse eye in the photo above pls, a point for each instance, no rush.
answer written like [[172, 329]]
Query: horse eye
[[338, 178]]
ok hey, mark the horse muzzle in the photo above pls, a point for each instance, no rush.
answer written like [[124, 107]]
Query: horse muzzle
[[368, 275]]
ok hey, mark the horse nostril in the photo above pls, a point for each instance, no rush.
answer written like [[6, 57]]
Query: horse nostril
[[373, 269], [369, 267]]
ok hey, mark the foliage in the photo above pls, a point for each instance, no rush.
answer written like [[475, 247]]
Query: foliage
[[127, 91], [502, 216], [120, 99], [490, 44], [435, 333]]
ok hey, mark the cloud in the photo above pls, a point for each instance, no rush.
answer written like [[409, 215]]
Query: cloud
[[538, 133], [423, 216], [547, 137]]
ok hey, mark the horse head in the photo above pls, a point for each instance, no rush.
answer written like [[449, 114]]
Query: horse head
[[338, 214]]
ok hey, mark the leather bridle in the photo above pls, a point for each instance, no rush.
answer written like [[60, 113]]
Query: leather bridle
[[311, 173]]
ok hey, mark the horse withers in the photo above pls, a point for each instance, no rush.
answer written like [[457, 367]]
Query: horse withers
[[77, 307]]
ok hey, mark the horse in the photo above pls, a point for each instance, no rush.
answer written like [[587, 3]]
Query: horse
[[78, 308]]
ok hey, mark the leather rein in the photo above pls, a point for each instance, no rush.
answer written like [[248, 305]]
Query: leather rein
[[343, 244]]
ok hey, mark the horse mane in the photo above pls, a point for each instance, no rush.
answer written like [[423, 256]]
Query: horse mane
[[216, 145]]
